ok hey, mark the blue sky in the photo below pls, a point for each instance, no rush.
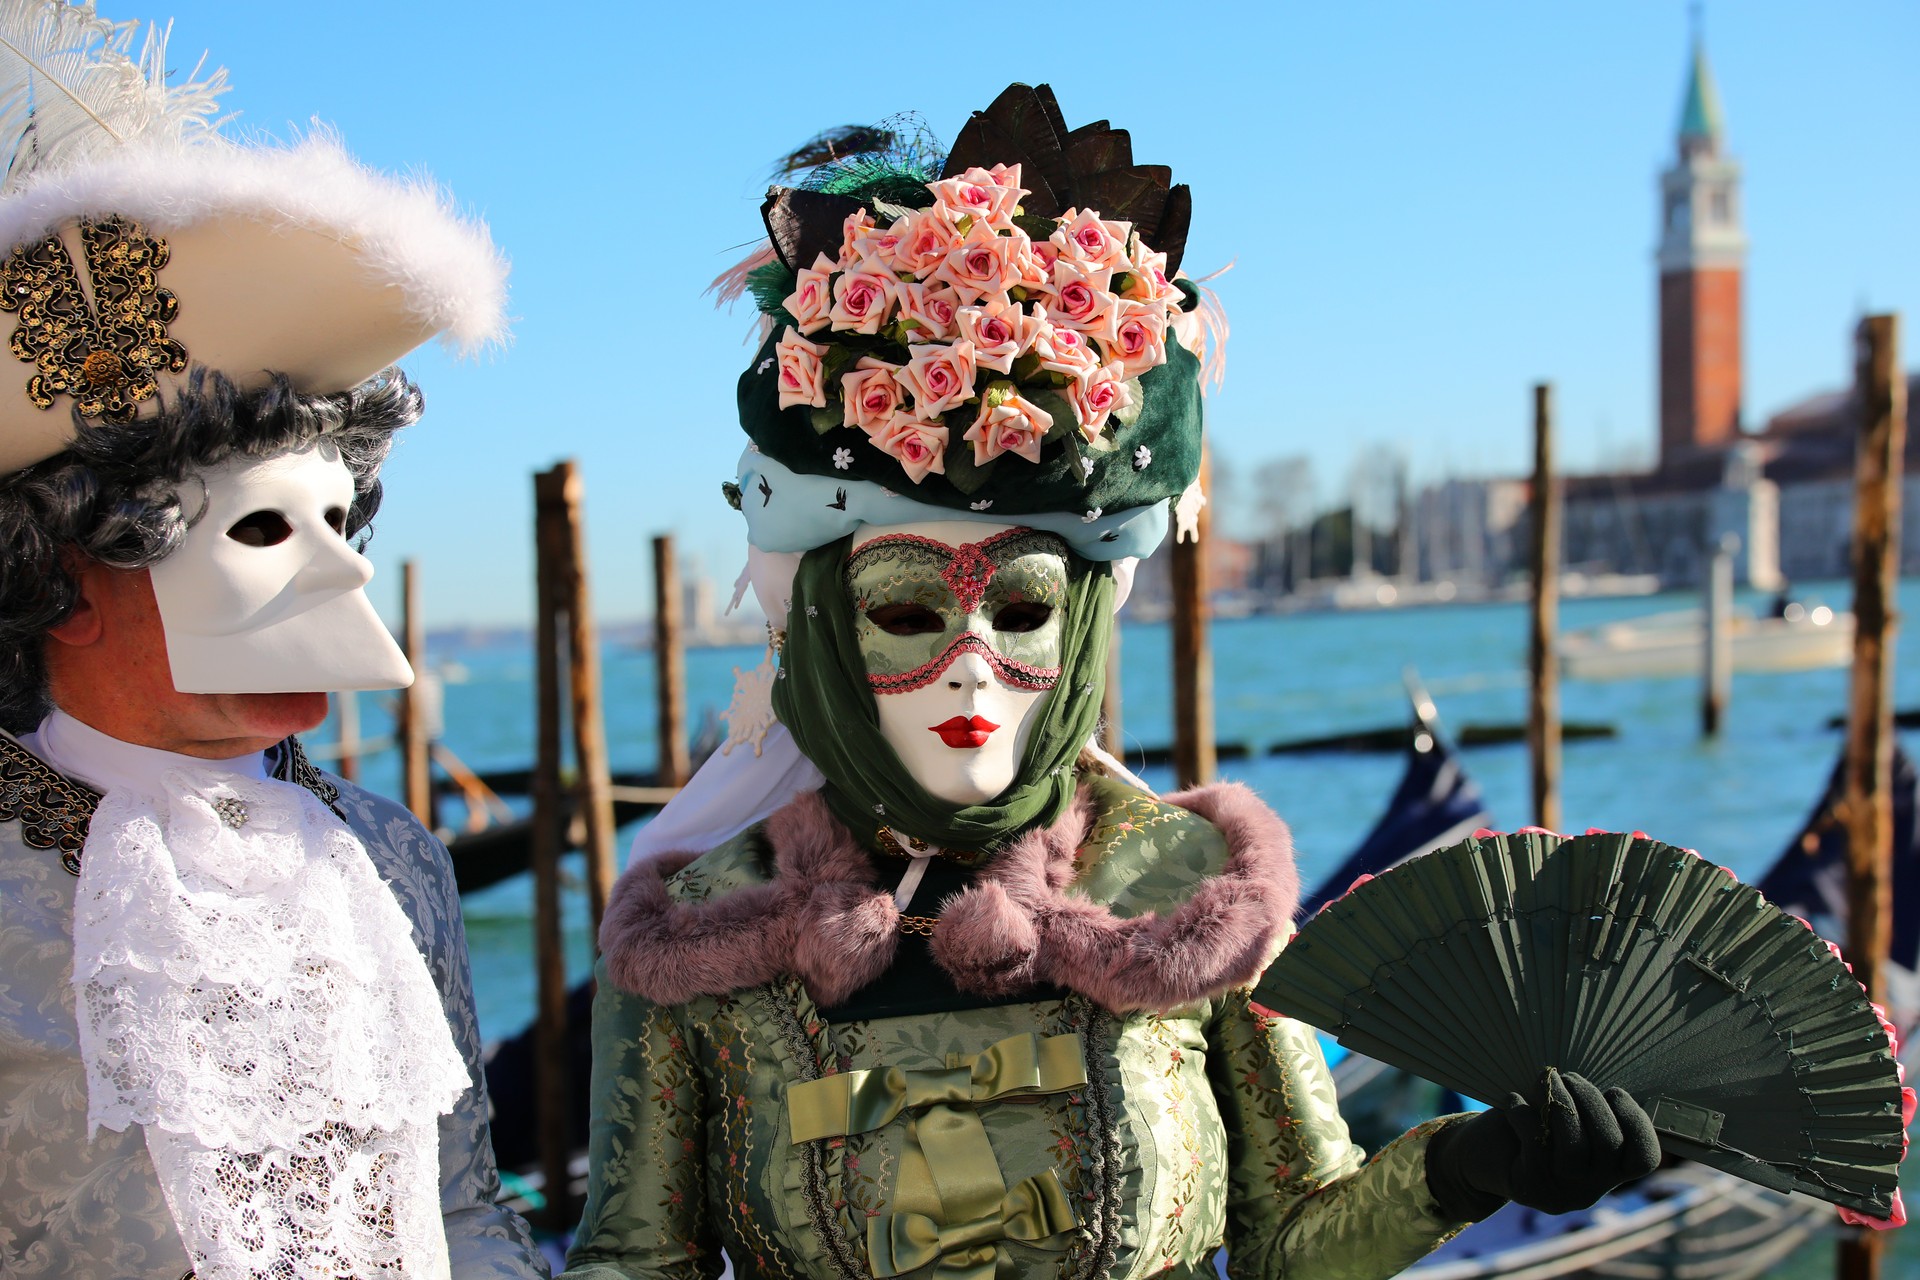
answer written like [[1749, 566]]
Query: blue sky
[[1431, 206]]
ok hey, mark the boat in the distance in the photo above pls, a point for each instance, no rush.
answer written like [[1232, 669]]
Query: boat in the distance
[[1798, 638]]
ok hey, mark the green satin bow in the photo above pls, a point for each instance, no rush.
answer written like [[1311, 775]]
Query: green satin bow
[[1034, 1212], [861, 1101]]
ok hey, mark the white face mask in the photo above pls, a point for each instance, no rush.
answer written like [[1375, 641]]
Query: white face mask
[[959, 626], [265, 594]]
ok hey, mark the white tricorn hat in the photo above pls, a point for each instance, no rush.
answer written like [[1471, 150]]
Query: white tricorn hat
[[140, 242]]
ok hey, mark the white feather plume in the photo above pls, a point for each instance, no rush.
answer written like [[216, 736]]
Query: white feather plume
[[71, 86]]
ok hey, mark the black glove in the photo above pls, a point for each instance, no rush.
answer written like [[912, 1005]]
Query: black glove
[[1558, 1157]]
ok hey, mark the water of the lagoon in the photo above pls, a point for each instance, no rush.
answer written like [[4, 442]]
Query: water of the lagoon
[[1737, 799]]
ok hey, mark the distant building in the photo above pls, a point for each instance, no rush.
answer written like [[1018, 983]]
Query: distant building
[[1783, 494], [1465, 531], [1809, 450]]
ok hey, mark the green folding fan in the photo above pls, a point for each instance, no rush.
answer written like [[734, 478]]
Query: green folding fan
[[1633, 963]]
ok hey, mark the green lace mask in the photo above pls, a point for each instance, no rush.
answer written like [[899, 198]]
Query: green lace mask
[[827, 700], [919, 603]]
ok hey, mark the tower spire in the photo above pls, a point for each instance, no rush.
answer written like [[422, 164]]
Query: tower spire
[[1701, 258], [1701, 125]]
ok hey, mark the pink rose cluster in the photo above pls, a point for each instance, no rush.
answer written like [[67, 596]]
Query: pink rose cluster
[[957, 307]]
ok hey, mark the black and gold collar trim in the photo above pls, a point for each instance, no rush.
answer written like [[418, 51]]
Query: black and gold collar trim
[[54, 810]]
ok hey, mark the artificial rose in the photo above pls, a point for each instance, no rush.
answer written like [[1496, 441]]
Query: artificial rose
[[1096, 396], [983, 195], [1148, 278], [811, 302], [870, 394], [1139, 340], [1011, 426], [856, 228], [939, 376], [862, 298], [876, 248], [802, 379], [926, 238], [1000, 332], [1061, 349], [920, 447], [1077, 297], [984, 265], [1085, 236], [930, 307]]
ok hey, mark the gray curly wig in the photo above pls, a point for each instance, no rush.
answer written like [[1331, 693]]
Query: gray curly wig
[[110, 497]]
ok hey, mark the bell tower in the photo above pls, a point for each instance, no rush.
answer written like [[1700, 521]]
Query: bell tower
[[1702, 256]]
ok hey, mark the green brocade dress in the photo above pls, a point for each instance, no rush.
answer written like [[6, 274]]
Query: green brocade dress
[[919, 1127]]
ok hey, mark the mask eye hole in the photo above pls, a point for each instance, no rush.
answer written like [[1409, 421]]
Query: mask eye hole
[[1022, 615], [337, 520], [906, 619], [261, 529]]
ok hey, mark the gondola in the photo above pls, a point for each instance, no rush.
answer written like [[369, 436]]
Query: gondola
[[1810, 880]]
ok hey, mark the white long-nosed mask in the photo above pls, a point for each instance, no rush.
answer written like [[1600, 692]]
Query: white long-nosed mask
[[959, 625], [265, 594]]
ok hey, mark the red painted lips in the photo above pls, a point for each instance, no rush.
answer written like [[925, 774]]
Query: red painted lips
[[962, 732]]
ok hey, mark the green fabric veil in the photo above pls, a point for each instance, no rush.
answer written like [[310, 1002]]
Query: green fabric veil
[[822, 697]]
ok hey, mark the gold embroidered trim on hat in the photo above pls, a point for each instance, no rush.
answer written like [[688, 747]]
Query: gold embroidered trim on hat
[[53, 810], [105, 356]]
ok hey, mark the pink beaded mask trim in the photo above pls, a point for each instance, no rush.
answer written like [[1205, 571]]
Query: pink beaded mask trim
[[1010, 670]]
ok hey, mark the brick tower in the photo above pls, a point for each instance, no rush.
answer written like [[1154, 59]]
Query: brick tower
[[1702, 252]]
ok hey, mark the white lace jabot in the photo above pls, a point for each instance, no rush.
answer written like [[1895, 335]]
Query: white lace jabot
[[249, 992]]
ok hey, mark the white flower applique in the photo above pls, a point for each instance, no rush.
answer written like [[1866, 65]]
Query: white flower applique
[[1186, 514], [1142, 458], [1086, 466], [750, 715], [1091, 516], [842, 459], [765, 365], [981, 505]]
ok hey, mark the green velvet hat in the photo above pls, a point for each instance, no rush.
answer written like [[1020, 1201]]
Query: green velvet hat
[[989, 330]]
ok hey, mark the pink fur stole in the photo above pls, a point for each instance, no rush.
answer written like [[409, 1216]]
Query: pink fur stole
[[822, 918]]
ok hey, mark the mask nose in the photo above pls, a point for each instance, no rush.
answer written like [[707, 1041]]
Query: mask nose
[[335, 566], [970, 673]]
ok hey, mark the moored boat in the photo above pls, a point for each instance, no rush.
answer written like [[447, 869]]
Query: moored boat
[[1674, 644]]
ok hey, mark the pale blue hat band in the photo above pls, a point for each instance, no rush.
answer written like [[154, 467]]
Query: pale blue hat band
[[787, 511]]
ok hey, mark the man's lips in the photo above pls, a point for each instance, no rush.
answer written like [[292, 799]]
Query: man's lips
[[962, 732]]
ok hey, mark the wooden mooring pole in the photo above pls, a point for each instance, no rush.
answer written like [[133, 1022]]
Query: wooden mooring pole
[[1194, 750], [346, 714], [583, 683], [416, 780], [1867, 805], [670, 665], [1543, 702], [1717, 671], [552, 551]]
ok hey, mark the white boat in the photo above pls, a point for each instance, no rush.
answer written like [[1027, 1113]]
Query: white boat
[[1674, 644]]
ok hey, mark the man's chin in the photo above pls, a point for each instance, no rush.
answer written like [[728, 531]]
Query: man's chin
[[258, 720]]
